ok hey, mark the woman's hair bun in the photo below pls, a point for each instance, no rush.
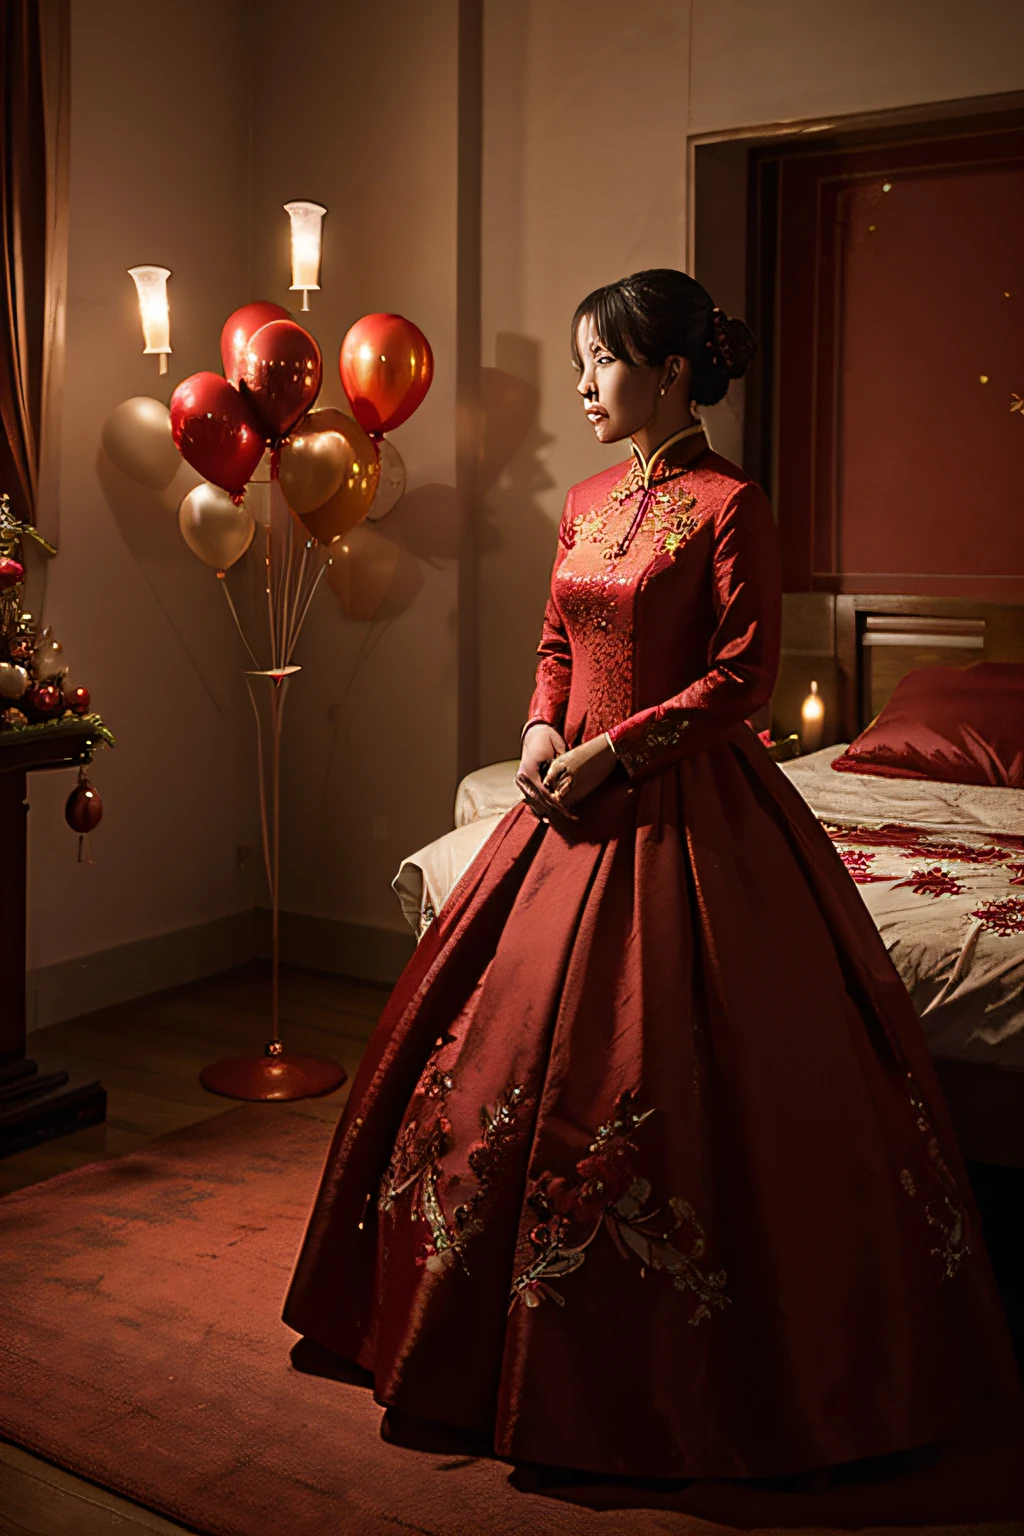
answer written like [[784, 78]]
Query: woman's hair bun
[[664, 313], [739, 346], [729, 347]]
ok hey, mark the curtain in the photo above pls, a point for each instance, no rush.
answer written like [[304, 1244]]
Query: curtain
[[23, 252]]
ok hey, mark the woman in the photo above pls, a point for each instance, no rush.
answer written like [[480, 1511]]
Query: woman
[[645, 1170]]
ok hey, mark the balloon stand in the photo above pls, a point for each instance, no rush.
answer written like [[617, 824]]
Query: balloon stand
[[294, 566], [325, 469]]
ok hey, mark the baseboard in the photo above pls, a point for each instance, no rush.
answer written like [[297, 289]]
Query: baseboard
[[70, 988], [343, 949]]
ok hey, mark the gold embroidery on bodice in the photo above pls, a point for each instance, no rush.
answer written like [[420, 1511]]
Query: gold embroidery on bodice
[[611, 550]]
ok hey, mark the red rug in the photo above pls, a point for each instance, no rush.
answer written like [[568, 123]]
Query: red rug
[[141, 1347]]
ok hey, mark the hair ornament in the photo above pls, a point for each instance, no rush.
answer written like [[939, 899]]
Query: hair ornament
[[718, 341]]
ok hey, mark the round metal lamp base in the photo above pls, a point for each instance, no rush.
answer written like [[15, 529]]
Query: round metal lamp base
[[281, 1075]]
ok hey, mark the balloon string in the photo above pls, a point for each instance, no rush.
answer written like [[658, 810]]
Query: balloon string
[[264, 828], [302, 616], [304, 591], [234, 615], [294, 591]]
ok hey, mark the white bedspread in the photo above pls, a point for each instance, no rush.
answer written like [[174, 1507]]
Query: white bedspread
[[940, 868]]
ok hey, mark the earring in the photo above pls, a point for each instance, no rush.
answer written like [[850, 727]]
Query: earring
[[661, 391]]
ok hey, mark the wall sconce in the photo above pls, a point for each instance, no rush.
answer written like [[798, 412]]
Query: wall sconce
[[812, 715], [151, 286], [307, 231]]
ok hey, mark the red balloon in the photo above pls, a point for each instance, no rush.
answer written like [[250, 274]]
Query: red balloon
[[239, 328], [386, 366], [84, 808], [213, 428], [281, 376]]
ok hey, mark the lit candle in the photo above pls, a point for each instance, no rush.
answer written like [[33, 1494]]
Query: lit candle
[[151, 287], [812, 713], [307, 230]]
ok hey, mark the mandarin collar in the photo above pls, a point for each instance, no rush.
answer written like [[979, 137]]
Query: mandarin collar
[[663, 463]]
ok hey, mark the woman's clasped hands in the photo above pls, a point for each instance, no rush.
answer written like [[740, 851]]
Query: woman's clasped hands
[[553, 779]]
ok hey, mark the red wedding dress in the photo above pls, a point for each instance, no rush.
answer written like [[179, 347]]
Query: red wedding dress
[[645, 1169]]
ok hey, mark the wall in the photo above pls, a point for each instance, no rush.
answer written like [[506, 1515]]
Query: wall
[[571, 200], [157, 139], [758, 64], [371, 719], [587, 111]]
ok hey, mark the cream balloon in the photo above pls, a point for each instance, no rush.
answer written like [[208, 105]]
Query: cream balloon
[[391, 486], [213, 527], [257, 501], [361, 570], [137, 438]]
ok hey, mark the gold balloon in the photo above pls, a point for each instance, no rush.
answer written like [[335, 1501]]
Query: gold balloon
[[329, 473], [362, 569], [213, 527], [137, 438]]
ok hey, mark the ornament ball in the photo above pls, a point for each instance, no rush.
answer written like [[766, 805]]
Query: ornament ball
[[84, 808], [11, 572], [76, 699], [44, 700]]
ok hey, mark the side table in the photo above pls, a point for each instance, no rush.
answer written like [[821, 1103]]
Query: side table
[[35, 1104]]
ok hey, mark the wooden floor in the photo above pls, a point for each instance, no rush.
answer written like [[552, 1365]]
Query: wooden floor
[[148, 1055]]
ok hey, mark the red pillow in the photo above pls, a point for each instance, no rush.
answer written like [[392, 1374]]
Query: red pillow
[[956, 726]]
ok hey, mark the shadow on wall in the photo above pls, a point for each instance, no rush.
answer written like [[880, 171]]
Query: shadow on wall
[[185, 591], [519, 546]]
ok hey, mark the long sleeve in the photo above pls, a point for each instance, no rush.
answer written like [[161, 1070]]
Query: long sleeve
[[554, 671], [743, 655]]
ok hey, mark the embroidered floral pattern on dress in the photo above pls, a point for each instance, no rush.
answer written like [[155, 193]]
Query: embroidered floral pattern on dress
[[659, 737], [606, 1194], [936, 881], [416, 1166], [948, 1216], [1016, 874], [1005, 917], [664, 509]]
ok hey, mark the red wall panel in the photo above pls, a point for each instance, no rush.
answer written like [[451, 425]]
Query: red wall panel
[[898, 469]]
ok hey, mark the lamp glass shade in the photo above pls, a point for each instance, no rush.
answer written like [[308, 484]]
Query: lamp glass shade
[[151, 286], [307, 229]]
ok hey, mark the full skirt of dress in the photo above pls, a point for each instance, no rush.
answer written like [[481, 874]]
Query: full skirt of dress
[[646, 1170]]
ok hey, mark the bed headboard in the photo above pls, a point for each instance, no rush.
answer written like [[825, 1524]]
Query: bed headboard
[[878, 640], [857, 647]]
